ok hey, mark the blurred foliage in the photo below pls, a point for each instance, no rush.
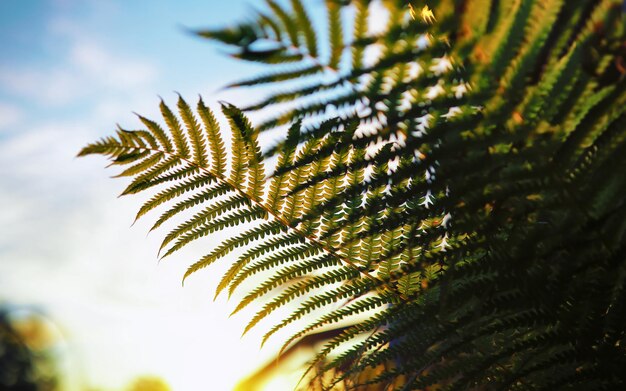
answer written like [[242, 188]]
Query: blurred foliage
[[149, 383], [27, 361]]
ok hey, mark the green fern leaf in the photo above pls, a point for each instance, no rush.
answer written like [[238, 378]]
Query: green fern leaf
[[180, 140], [194, 133], [288, 24], [335, 32]]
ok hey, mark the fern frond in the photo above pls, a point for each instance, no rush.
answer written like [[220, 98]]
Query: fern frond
[[354, 289], [287, 20], [180, 140], [251, 235], [278, 258], [194, 133], [289, 273], [203, 196], [141, 166], [216, 144], [258, 251], [250, 145], [451, 198], [279, 183], [158, 133], [360, 31], [303, 20], [164, 172], [280, 76], [202, 220], [175, 191], [234, 219], [335, 33]]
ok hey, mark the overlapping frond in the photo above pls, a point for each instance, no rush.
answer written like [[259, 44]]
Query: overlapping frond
[[195, 178], [456, 199]]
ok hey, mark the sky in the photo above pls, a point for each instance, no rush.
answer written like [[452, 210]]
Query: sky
[[70, 70]]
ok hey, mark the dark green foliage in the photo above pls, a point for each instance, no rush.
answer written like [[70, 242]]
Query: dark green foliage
[[460, 201], [17, 367], [27, 363]]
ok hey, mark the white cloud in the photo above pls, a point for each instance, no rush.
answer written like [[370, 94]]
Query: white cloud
[[51, 87], [9, 115], [121, 73], [88, 68]]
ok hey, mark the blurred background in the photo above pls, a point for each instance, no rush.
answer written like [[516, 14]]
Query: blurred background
[[84, 303]]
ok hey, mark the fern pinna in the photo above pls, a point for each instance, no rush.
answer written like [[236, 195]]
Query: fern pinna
[[455, 198]]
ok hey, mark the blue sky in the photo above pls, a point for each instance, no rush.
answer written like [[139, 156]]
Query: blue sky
[[69, 71], [145, 44]]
